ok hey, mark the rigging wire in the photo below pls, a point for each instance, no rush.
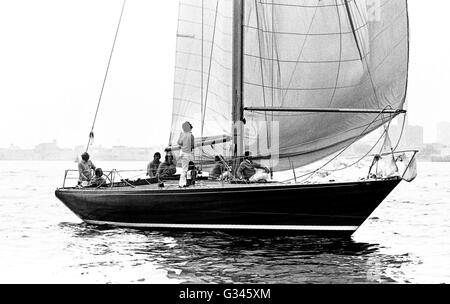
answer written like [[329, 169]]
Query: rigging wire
[[311, 174], [352, 25], [385, 132], [364, 59], [301, 53], [260, 48], [260, 24], [205, 95], [401, 133], [91, 135], [338, 74], [204, 107]]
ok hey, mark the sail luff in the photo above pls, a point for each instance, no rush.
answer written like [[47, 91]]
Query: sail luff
[[408, 29]]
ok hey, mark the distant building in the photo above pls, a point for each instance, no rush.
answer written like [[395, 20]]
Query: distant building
[[412, 136], [51, 151], [430, 152], [445, 152], [443, 133]]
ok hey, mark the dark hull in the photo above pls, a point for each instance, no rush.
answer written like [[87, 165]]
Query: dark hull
[[324, 208]]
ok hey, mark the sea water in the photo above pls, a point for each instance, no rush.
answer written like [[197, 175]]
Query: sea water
[[406, 240]]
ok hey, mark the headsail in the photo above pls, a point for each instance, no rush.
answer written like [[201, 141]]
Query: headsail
[[322, 54]]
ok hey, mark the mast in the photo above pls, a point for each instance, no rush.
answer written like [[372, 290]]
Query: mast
[[238, 107]]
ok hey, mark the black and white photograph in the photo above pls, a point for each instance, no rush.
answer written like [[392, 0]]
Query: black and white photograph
[[224, 143]]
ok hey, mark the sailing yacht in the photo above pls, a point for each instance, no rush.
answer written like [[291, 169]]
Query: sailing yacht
[[291, 81]]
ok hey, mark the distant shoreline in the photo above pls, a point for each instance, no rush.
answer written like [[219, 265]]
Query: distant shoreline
[[51, 152], [72, 161]]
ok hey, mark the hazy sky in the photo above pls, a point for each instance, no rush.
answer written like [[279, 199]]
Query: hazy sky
[[53, 55]]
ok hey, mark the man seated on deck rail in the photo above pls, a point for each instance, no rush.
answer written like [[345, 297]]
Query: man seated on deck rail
[[252, 172], [85, 168]]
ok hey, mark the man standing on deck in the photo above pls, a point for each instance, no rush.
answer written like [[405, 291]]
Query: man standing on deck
[[186, 143], [85, 168]]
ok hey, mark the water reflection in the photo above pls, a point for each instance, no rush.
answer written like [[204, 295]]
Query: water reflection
[[217, 257]]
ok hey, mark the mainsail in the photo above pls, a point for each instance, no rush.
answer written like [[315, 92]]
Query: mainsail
[[302, 54]]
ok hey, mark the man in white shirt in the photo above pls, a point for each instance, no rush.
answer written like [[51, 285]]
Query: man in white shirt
[[186, 143]]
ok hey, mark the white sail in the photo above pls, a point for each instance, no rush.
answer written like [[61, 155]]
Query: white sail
[[322, 54], [202, 89], [339, 54]]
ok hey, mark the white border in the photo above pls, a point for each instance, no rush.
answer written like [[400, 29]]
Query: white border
[[226, 227]]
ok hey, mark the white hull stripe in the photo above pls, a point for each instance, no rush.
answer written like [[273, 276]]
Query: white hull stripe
[[226, 227]]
